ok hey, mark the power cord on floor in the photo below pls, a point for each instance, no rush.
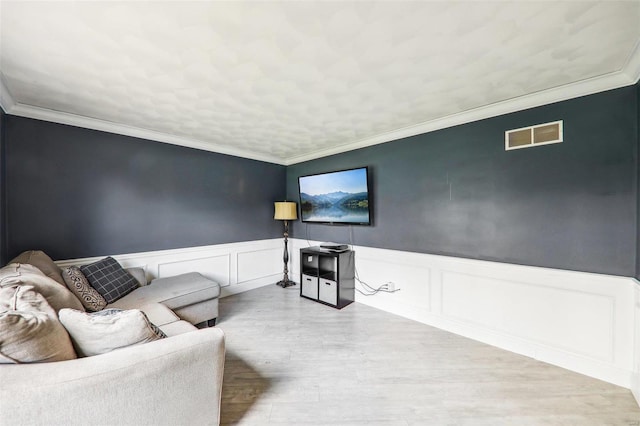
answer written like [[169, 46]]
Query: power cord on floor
[[388, 287]]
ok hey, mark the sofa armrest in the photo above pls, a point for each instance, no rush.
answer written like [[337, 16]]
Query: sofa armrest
[[174, 381], [139, 274]]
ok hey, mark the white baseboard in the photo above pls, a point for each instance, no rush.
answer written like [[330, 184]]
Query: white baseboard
[[579, 321], [237, 267]]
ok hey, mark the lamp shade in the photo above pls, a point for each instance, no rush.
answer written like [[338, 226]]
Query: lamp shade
[[285, 210]]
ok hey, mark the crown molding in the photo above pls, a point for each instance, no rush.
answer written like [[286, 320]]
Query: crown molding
[[632, 68], [629, 75], [10, 106], [6, 100], [569, 91], [59, 117]]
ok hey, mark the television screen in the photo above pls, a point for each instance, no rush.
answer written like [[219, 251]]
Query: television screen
[[336, 198]]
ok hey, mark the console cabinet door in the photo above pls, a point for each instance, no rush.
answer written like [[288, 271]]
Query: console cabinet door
[[309, 287], [328, 291]]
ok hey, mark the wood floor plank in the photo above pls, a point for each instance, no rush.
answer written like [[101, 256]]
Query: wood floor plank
[[291, 361]]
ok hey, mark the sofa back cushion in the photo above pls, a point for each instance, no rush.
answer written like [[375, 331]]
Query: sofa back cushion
[[29, 328], [42, 261], [57, 295], [101, 332]]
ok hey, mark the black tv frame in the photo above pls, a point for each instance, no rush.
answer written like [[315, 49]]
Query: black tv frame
[[369, 196]]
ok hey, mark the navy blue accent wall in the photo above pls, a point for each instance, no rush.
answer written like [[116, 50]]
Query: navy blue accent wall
[[457, 191], [76, 192], [3, 240]]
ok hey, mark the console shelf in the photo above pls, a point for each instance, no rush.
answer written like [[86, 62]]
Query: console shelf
[[327, 277]]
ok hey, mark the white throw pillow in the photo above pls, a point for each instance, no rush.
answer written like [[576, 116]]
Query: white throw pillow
[[104, 331]]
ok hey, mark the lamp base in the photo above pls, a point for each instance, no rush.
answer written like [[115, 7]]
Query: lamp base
[[285, 284]]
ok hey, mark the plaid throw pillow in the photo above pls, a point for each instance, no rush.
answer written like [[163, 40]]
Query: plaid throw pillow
[[109, 279]]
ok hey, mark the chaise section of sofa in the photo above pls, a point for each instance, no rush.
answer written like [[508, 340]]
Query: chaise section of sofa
[[193, 297]]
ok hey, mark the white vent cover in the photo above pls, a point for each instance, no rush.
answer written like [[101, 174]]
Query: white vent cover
[[541, 134]]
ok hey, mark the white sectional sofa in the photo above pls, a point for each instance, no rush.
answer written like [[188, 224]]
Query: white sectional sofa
[[175, 380]]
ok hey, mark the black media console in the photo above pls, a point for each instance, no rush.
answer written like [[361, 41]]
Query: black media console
[[327, 276]]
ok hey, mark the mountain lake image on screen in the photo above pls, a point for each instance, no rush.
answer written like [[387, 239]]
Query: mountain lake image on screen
[[340, 197]]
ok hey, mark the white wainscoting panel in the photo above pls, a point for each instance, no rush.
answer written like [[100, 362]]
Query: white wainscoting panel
[[514, 308], [635, 378], [576, 320], [217, 268], [260, 263], [588, 323], [237, 267], [414, 280]]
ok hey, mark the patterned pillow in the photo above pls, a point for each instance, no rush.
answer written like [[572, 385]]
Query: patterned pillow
[[109, 279], [78, 284], [101, 332]]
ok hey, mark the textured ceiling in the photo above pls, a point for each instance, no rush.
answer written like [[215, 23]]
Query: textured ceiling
[[288, 81]]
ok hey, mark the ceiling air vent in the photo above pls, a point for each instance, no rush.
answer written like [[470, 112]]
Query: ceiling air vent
[[525, 137]]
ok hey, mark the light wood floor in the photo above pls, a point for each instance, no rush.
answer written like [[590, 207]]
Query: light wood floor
[[291, 361]]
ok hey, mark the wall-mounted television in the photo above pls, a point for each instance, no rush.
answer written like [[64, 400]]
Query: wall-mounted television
[[340, 198]]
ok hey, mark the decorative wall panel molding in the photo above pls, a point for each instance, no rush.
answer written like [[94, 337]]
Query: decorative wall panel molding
[[417, 296], [217, 268], [635, 376], [584, 322], [259, 263], [580, 321], [237, 267], [515, 308]]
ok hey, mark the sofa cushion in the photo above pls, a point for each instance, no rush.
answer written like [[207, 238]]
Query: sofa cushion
[[40, 260], [57, 295], [29, 328], [139, 274], [159, 314], [109, 279], [174, 292], [101, 332], [177, 327], [80, 287]]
